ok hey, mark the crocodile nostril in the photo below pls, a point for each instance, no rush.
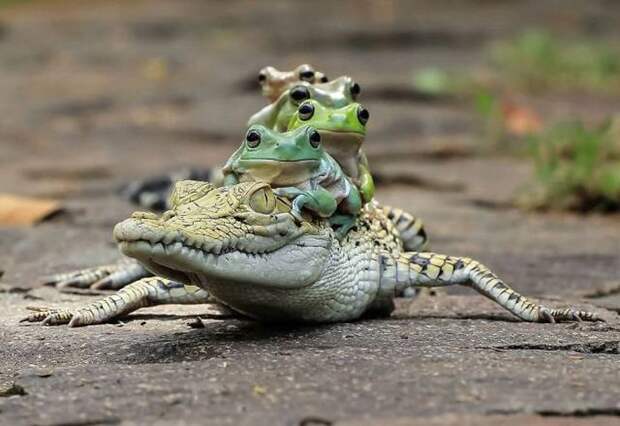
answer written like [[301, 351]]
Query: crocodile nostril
[[169, 214], [143, 215]]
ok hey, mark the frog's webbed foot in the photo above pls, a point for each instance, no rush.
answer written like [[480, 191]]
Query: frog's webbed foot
[[319, 201], [152, 193], [342, 224], [112, 276], [294, 194]]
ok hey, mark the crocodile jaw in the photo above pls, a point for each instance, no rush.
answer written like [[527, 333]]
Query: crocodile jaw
[[296, 264]]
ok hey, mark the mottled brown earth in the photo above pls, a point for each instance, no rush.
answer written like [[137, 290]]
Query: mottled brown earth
[[95, 94]]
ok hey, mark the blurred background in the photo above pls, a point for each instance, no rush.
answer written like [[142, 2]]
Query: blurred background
[[495, 121]]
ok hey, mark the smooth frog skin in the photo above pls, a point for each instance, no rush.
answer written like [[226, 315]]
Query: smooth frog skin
[[334, 94], [297, 166], [342, 133], [274, 82]]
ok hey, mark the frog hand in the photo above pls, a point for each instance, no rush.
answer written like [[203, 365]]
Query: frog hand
[[292, 193], [320, 201]]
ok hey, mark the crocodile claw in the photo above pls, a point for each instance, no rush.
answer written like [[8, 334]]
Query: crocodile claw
[[568, 314], [48, 316]]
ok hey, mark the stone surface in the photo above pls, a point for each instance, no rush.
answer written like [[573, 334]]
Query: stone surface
[[97, 95]]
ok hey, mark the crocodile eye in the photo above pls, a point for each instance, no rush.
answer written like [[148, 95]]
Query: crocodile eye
[[263, 201], [355, 90], [363, 115], [324, 79], [262, 77], [307, 75], [299, 93], [306, 111], [315, 139], [252, 138]]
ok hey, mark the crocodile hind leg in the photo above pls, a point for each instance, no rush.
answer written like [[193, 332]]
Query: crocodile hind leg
[[111, 277], [146, 292], [152, 193], [419, 269], [409, 227]]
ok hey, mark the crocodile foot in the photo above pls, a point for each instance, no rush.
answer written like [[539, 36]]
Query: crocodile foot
[[105, 277], [558, 315]]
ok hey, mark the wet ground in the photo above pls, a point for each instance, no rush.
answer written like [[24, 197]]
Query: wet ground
[[97, 94]]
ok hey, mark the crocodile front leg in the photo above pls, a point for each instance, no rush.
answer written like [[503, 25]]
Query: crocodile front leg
[[146, 292], [111, 277], [425, 269]]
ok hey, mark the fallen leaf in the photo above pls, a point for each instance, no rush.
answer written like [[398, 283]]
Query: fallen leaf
[[520, 121], [259, 390], [18, 210]]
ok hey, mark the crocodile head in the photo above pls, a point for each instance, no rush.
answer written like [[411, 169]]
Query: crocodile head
[[243, 233]]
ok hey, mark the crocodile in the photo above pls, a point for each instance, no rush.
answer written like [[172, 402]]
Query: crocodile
[[241, 247]]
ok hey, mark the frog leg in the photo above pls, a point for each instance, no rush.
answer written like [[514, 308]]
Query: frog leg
[[342, 224], [146, 292], [365, 180], [319, 200], [348, 209]]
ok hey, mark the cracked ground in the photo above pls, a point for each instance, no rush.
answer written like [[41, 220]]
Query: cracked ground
[[97, 94]]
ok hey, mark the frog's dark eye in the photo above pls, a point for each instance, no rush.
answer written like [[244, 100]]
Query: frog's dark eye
[[315, 138], [355, 90], [324, 79], [305, 111], [299, 93], [363, 115], [307, 75], [262, 77], [252, 138]]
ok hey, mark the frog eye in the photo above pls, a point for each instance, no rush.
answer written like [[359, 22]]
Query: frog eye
[[252, 138], [305, 111], [299, 93], [315, 139], [307, 75], [263, 201], [355, 90], [363, 115], [324, 79], [262, 77]]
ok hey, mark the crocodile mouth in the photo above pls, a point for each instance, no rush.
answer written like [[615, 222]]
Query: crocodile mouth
[[180, 257]]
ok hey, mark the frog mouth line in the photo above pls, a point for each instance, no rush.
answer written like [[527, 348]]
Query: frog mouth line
[[274, 160], [342, 136]]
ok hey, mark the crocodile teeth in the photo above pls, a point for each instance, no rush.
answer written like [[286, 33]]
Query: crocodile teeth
[[171, 236]]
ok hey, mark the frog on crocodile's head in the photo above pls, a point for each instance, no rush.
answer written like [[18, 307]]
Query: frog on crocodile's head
[[274, 82], [296, 164], [334, 94], [342, 129], [342, 132], [282, 159]]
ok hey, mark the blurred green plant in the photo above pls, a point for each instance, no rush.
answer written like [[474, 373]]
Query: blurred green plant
[[4, 3], [576, 168], [538, 60]]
